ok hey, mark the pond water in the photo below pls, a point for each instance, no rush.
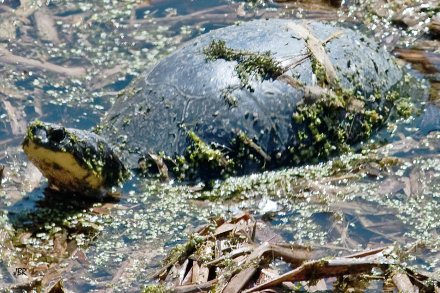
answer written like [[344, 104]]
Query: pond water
[[66, 61]]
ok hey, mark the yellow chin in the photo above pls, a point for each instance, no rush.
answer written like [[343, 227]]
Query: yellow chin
[[62, 169]]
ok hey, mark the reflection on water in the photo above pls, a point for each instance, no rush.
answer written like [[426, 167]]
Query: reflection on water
[[66, 63]]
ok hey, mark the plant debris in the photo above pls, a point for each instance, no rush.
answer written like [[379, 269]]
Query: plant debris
[[224, 257], [319, 56]]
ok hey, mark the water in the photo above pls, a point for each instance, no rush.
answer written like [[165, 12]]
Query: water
[[352, 202]]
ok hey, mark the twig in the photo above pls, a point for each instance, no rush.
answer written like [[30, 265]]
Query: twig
[[197, 15], [252, 145], [2, 170], [316, 47], [434, 27], [366, 252], [231, 255], [239, 281], [425, 61], [403, 283], [195, 287], [323, 269], [16, 117], [294, 257], [46, 25], [9, 58], [161, 166]]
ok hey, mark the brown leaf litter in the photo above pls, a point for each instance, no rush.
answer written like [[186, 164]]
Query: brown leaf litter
[[224, 256]]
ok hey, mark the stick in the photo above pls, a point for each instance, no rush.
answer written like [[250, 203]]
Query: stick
[[322, 269], [9, 58], [403, 283], [316, 47], [195, 288]]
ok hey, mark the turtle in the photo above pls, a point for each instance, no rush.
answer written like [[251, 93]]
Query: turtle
[[253, 96]]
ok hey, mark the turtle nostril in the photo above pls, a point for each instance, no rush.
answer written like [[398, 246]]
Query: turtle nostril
[[57, 135]]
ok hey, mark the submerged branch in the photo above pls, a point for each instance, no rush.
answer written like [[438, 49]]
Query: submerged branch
[[9, 58]]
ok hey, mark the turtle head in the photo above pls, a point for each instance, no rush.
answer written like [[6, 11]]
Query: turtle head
[[73, 160]]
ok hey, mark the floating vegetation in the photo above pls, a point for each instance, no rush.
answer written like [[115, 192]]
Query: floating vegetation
[[350, 190], [368, 182], [42, 238], [78, 69]]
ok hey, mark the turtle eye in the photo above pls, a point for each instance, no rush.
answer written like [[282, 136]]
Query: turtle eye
[[57, 135], [39, 134]]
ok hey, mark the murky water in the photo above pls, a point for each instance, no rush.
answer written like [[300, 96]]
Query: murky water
[[65, 62]]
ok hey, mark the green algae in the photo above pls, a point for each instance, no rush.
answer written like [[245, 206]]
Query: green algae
[[200, 158], [249, 64], [202, 152], [326, 129], [156, 289], [182, 251], [319, 71], [36, 123], [405, 108], [341, 118]]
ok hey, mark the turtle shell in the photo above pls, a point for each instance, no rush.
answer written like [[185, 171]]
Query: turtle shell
[[218, 100]]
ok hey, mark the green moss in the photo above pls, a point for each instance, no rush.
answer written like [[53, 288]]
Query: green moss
[[202, 159], [302, 135], [203, 152], [250, 65], [181, 252], [31, 126], [126, 121], [350, 283], [404, 108], [330, 124], [391, 96], [319, 71], [181, 167], [217, 49], [343, 117], [157, 288], [229, 97]]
